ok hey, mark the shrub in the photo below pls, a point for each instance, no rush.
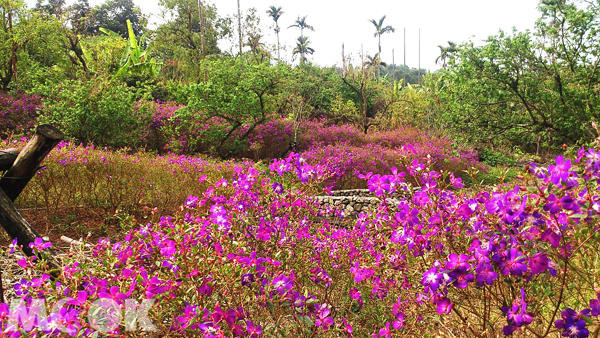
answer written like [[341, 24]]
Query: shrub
[[348, 151], [99, 111]]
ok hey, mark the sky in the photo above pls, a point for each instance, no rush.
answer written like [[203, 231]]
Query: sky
[[347, 22]]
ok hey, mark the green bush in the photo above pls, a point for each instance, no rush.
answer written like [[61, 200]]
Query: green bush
[[99, 111]]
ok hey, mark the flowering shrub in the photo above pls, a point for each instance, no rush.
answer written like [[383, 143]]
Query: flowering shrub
[[348, 151], [18, 113]]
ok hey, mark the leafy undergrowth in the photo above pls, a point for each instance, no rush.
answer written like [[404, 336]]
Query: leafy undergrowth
[[254, 256]]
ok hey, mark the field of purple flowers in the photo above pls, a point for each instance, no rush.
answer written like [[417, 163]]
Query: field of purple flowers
[[251, 254]]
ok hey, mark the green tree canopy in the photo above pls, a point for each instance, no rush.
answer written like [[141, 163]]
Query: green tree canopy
[[113, 15]]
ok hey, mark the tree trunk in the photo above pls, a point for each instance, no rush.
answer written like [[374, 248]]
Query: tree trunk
[[240, 25], [278, 55], [25, 166], [201, 18], [17, 227], [7, 158], [13, 49]]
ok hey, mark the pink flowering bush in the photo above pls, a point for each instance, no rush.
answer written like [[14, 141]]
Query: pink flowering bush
[[18, 113], [348, 151]]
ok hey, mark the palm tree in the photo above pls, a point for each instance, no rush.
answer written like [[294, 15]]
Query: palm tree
[[301, 23], [379, 29], [302, 48], [275, 13], [254, 43], [446, 52]]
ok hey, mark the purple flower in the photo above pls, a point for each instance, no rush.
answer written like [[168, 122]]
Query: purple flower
[[247, 279], [485, 274], [39, 244], [556, 205], [112, 294], [511, 262], [282, 284], [538, 263], [192, 201], [572, 328], [443, 305], [595, 307], [461, 279], [277, 188], [360, 274], [253, 330], [456, 262], [323, 319], [560, 171], [385, 332], [431, 278]]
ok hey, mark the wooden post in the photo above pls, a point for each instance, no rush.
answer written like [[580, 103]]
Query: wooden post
[[17, 227], [25, 166], [14, 181], [7, 158]]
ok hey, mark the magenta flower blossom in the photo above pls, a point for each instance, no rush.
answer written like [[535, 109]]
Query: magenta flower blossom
[[431, 278], [347, 327], [556, 205], [254, 331], [511, 262], [485, 274], [39, 244], [517, 315], [360, 274], [277, 188], [560, 171], [385, 332], [458, 262], [192, 201], [247, 279], [399, 322], [595, 307], [322, 314], [539, 263], [282, 284], [461, 279], [443, 305], [112, 294]]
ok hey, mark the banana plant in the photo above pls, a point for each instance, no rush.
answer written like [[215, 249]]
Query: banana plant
[[135, 59]]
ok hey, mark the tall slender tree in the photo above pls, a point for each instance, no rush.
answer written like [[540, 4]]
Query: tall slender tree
[[303, 48], [446, 52], [202, 35], [240, 25], [275, 13], [380, 29], [301, 23]]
